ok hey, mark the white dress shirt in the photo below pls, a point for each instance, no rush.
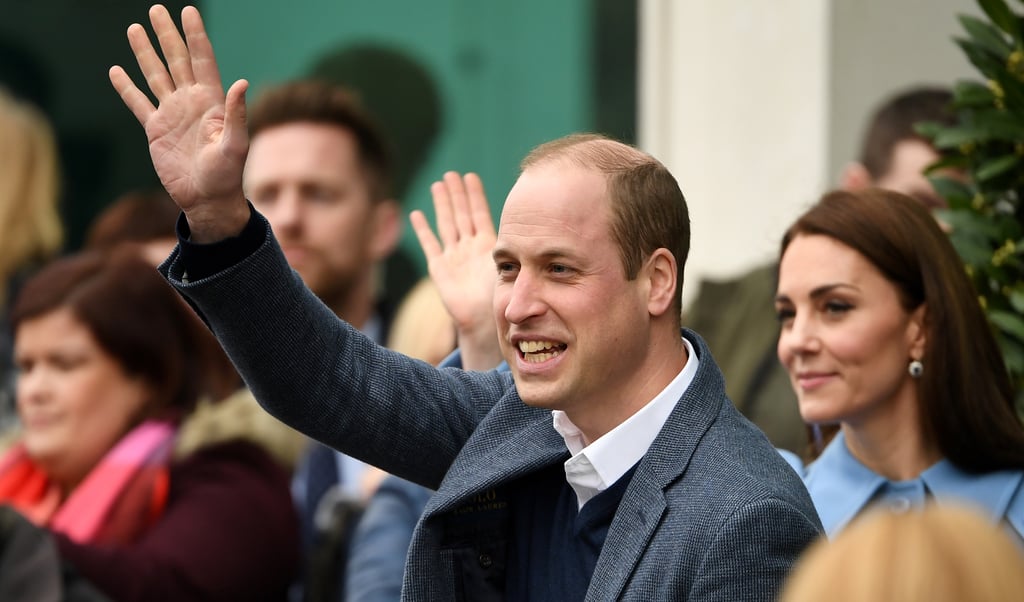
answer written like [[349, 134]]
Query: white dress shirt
[[593, 468]]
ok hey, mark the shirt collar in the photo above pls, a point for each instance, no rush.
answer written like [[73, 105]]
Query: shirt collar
[[842, 487], [593, 468]]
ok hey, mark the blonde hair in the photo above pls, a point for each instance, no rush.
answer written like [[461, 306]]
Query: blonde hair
[[942, 553], [422, 327], [30, 226]]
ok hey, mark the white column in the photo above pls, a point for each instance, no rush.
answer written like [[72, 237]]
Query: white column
[[755, 105], [733, 99]]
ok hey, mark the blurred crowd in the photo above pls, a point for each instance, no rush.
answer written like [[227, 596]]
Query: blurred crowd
[[139, 463]]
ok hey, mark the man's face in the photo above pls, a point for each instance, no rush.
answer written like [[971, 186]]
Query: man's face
[[306, 178], [572, 328], [906, 172]]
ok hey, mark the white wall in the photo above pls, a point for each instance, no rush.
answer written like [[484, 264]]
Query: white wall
[[756, 104]]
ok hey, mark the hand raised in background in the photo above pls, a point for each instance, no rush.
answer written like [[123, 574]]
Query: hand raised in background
[[461, 265], [197, 134]]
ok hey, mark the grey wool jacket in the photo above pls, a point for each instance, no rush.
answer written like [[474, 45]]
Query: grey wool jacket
[[712, 512]]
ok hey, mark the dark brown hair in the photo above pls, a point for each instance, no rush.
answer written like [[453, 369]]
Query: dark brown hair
[[137, 216], [314, 101], [894, 120], [648, 209], [965, 394], [138, 319]]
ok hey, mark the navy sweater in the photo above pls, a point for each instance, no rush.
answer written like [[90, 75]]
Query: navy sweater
[[553, 548]]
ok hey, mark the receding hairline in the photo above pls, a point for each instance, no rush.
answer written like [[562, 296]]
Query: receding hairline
[[590, 151]]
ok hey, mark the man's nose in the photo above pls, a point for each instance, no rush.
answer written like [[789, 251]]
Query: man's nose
[[286, 214], [524, 301]]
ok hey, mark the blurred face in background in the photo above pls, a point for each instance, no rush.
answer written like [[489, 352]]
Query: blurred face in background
[[307, 179], [906, 172], [75, 401]]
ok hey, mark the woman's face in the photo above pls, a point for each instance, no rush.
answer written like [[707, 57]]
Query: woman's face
[[75, 401], [845, 338]]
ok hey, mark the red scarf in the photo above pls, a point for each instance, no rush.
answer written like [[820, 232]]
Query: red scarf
[[122, 496]]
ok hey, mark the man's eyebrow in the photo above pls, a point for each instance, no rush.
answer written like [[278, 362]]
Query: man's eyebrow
[[548, 254]]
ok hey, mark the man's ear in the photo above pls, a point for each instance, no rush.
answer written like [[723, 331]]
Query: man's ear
[[660, 272], [855, 177], [387, 228]]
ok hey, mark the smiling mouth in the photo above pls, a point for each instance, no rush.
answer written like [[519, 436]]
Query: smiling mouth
[[535, 352]]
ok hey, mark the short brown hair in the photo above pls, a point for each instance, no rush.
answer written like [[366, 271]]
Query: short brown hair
[[138, 319], [648, 208], [314, 101], [138, 216], [894, 121]]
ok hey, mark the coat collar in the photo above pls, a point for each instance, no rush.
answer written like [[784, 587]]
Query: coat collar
[[494, 456], [842, 487]]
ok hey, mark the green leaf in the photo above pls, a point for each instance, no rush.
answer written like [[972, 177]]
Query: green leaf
[[1009, 323], [956, 163], [1002, 16], [987, 36], [954, 191], [995, 167], [972, 94], [1017, 297], [955, 136], [980, 57]]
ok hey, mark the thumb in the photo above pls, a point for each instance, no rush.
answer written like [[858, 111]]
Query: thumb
[[236, 134]]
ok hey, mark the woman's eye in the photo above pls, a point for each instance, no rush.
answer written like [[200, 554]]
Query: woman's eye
[[837, 307]]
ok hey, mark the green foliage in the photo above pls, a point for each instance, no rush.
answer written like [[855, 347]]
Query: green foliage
[[986, 213]]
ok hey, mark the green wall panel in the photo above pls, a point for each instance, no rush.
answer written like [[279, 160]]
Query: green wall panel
[[511, 74]]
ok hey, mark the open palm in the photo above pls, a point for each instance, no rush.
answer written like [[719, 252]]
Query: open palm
[[197, 135]]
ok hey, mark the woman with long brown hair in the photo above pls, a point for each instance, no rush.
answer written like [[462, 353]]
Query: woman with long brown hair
[[882, 334]]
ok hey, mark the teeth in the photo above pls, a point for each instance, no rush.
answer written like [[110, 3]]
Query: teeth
[[539, 351], [536, 358], [535, 346]]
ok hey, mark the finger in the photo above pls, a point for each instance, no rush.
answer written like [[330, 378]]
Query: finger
[[137, 102], [150, 63], [172, 46], [428, 242], [443, 213], [236, 134], [480, 209], [460, 204], [204, 65]]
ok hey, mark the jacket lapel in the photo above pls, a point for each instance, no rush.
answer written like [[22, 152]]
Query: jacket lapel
[[643, 504], [493, 456]]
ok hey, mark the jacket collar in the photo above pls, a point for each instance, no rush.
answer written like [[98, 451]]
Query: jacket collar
[[494, 456], [663, 464]]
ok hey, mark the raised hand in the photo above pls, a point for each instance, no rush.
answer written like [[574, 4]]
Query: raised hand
[[461, 265], [197, 134]]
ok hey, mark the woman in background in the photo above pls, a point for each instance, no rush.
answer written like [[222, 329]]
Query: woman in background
[[110, 361], [882, 334], [30, 227]]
